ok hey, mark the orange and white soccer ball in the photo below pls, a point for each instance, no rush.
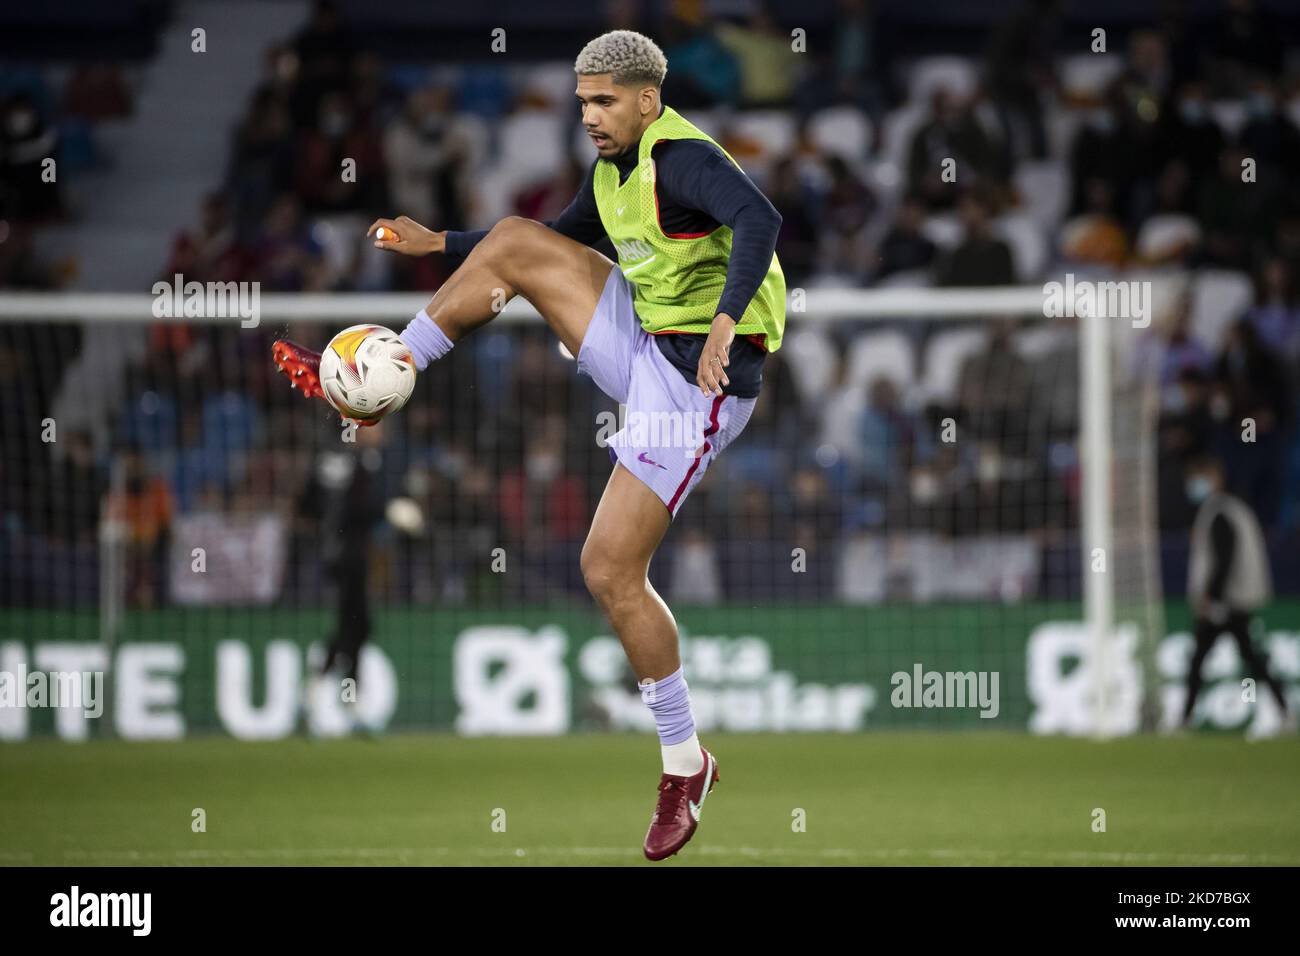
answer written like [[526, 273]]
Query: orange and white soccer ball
[[366, 372]]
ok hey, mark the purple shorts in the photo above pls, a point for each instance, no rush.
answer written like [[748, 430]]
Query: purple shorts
[[669, 432]]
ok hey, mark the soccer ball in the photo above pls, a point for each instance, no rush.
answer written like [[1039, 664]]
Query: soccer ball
[[366, 372]]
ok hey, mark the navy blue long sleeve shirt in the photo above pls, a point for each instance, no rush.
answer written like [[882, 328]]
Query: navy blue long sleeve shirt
[[698, 189]]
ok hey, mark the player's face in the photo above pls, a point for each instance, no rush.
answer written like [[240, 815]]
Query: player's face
[[613, 115]]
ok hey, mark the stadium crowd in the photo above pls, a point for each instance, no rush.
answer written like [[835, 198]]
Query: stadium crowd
[[1125, 165]]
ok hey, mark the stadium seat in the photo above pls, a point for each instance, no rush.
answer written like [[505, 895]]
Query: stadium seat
[[1028, 245], [531, 144], [1166, 235], [931, 73], [898, 129], [944, 230], [1230, 115], [1044, 190], [842, 131], [811, 356], [1219, 297], [944, 354], [773, 130], [1086, 75], [886, 354], [1040, 339]]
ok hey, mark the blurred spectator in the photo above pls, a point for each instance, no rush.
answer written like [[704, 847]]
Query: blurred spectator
[[324, 53], [993, 390], [1099, 152], [888, 437], [1166, 351], [144, 506], [1247, 39], [321, 180], [849, 205], [796, 243], [1018, 68], [763, 53], [26, 141], [980, 258], [288, 258], [97, 91], [704, 73], [1276, 312], [1258, 392], [1269, 137], [1096, 237], [546, 200], [949, 133], [905, 247], [1190, 135], [208, 253], [1184, 432], [424, 149], [1236, 216]]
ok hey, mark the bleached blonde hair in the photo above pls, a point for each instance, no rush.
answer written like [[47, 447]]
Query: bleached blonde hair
[[632, 57]]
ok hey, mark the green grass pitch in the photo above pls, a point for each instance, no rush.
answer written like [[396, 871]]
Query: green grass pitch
[[929, 799]]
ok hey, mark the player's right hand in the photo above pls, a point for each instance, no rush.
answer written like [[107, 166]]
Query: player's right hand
[[412, 239]]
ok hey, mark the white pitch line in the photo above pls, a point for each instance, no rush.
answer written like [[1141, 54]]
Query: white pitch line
[[948, 854]]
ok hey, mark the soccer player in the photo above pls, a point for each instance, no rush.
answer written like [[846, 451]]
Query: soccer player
[[677, 330]]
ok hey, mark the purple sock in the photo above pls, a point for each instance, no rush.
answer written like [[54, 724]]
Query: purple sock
[[670, 701], [426, 341]]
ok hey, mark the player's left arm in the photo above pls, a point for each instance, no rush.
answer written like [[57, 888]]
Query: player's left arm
[[697, 174]]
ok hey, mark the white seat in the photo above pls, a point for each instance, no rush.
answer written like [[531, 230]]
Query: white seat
[[1040, 339], [842, 131], [876, 355], [1044, 188], [812, 360], [773, 130], [1162, 235], [532, 144], [1230, 115], [1088, 74], [898, 129], [930, 73], [1219, 297], [944, 230], [555, 82], [944, 355], [1028, 247]]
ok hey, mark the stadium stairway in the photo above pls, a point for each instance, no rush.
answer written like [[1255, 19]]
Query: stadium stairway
[[164, 159]]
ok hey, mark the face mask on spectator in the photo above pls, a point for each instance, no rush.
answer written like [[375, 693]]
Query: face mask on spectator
[[1103, 121], [1198, 488], [335, 125], [21, 122], [542, 467], [1259, 104], [925, 487]]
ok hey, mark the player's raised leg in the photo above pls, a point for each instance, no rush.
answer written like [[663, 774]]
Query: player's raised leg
[[628, 526], [563, 280]]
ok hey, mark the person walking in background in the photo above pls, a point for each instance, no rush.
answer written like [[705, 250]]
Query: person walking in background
[[1228, 578]]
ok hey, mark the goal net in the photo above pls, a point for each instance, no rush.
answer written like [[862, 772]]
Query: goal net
[[941, 515]]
